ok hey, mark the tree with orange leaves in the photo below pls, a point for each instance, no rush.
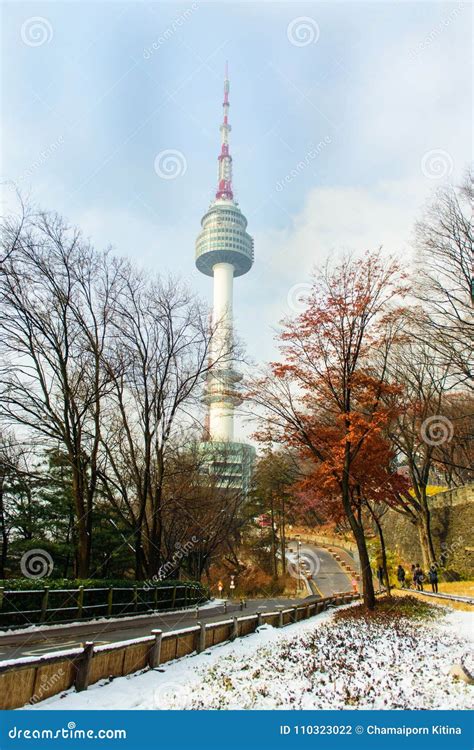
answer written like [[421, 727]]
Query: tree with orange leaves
[[327, 396]]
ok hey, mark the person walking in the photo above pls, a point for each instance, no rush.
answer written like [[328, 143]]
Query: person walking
[[401, 576], [419, 577], [433, 578]]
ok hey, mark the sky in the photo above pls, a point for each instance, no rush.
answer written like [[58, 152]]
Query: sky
[[346, 116]]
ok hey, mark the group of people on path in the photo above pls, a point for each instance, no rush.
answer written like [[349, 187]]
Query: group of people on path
[[418, 578]]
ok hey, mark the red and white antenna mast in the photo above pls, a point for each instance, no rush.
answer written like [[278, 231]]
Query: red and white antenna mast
[[224, 188]]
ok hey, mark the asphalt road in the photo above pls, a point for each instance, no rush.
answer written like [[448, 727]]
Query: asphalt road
[[325, 575], [14, 646]]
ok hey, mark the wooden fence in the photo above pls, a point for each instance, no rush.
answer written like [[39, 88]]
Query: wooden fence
[[55, 606], [33, 679]]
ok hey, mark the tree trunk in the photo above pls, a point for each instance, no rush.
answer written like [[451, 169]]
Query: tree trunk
[[383, 549], [359, 536], [273, 543], [426, 541]]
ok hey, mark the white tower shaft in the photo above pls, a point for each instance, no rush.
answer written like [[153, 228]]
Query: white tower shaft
[[221, 412]]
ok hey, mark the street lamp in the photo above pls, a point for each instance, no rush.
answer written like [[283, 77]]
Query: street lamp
[[298, 547]]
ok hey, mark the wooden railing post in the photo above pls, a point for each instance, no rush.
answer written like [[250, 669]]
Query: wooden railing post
[[135, 598], [155, 650], [44, 604], [173, 601], [235, 629], [155, 597], [80, 601], [201, 637], [84, 667], [110, 600]]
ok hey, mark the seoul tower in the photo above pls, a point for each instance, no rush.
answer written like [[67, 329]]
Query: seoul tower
[[224, 250]]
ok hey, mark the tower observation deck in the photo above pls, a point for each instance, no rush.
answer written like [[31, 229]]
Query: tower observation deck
[[224, 251]]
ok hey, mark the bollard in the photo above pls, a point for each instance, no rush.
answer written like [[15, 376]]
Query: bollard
[[280, 619], [197, 611], [80, 601], [295, 614], [259, 619], [225, 607], [235, 629], [245, 603], [84, 667], [202, 637], [155, 650]]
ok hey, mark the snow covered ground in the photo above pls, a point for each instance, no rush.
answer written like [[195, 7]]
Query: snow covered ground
[[318, 664]]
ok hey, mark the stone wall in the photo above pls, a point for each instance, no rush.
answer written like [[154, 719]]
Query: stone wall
[[452, 526]]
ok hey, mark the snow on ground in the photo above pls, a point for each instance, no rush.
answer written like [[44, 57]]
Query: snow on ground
[[317, 664]]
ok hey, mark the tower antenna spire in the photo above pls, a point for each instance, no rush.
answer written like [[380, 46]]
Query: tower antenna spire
[[224, 179]]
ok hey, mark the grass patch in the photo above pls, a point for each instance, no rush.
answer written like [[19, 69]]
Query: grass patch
[[461, 588], [391, 608]]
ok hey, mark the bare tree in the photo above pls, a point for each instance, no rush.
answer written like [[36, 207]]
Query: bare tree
[[158, 356], [54, 311], [445, 280], [418, 430]]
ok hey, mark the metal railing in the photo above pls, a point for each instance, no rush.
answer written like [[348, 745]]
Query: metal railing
[[56, 606]]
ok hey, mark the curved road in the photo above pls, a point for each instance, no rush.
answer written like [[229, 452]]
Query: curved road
[[325, 577]]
